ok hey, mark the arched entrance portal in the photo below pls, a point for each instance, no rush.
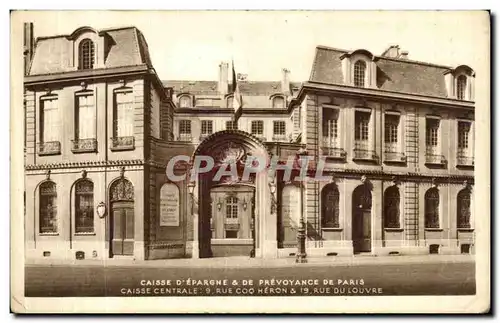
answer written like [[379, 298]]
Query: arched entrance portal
[[361, 219], [122, 218], [232, 212]]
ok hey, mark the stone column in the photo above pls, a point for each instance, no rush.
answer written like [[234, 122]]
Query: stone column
[[377, 214], [267, 218], [194, 203]]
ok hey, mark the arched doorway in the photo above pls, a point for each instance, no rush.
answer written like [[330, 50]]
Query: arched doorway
[[361, 219], [122, 218], [230, 209]]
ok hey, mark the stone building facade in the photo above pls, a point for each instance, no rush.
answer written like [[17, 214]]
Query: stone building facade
[[394, 137]]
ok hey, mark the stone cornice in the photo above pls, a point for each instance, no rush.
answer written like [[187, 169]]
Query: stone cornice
[[80, 164], [381, 95]]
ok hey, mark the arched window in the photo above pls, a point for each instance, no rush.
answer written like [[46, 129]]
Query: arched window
[[48, 207], [86, 54], [391, 207], [359, 73], [84, 206], [185, 101], [330, 206], [463, 209], [231, 207], [278, 102], [432, 208], [461, 87]]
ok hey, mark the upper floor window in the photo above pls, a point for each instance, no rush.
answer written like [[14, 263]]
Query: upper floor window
[[185, 127], [48, 207], [362, 126], [461, 87], [359, 73], [206, 127], [330, 127], [257, 127], [278, 102], [85, 117], [391, 132], [50, 120], [231, 207], [463, 137], [185, 101], [84, 206], [231, 125], [124, 114], [432, 132], [86, 54], [279, 128]]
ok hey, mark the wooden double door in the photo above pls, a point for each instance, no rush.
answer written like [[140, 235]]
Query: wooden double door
[[122, 229]]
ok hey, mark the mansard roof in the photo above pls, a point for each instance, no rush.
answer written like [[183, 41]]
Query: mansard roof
[[211, 87], [124, 47], [393, 74]]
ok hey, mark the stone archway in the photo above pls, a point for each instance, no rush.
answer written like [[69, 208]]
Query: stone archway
[[231, 148]]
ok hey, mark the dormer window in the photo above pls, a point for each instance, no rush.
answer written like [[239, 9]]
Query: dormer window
[[461, 87], [86, 53], [359, 73], [278, 102], [185, 101]]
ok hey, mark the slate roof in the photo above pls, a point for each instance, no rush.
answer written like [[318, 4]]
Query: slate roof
[[210, 87], [125, 47], [397, 75]]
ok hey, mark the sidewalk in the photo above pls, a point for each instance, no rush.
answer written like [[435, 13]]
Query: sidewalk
[[245, 262]]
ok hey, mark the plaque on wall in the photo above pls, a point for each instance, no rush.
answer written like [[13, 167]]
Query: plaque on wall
[[291, 206], [169, 205]]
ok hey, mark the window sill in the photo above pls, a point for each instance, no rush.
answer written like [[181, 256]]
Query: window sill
[[85, 234], [122, 148], [465, 166], [49, 153], [332, 229], [48, 234], [433, 229], [83, 151], [465, 229], [394, 229]]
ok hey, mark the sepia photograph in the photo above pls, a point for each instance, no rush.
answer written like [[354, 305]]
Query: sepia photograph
[[179, 157]]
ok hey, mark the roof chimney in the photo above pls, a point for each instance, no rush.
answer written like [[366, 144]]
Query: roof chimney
[[29, 45], [403, 54], [223, 77], [392, 51], [285, 81]]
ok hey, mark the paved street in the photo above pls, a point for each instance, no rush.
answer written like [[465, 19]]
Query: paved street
[[447, 278]]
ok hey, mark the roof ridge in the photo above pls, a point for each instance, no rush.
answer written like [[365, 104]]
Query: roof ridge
[[406, 60]]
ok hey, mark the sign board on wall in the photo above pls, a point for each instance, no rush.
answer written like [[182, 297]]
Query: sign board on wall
[[291, 206], [169, 205]]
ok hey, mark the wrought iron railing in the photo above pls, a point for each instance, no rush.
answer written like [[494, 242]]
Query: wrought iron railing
[[123, 143], [49, 148], [334, 152], [185, 137], [435, 159], [279, 138], [361, 151], [464, 160], [84, 145], [394, 156], [203, 136]]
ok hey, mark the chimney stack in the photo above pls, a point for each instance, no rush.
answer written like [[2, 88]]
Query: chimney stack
[[403, 54], [29, 45], [285, 81], [223, 78], [391, 52]]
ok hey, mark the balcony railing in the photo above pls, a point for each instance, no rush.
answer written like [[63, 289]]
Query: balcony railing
[[394, 157], [49, 148], [203, 136], [435, 159], [84, 145], [185, 137], [334, 152], [122, 143], [361, 152], [464, 160], [280, 138], [261, 137]]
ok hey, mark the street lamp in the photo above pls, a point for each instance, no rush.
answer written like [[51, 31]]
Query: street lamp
[[191, 187], [301, 232]]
